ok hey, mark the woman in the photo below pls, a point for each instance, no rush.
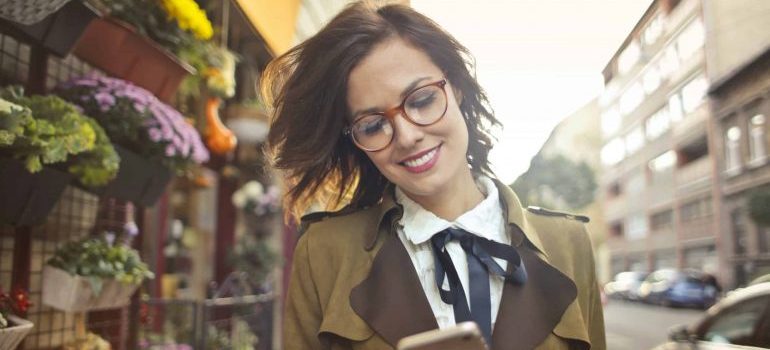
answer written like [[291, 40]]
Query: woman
[[380, 110]]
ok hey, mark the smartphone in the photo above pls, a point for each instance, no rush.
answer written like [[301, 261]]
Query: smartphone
[[463, 336]]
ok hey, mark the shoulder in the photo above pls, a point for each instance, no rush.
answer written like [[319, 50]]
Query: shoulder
[[340, 228], [557, 214], [563, 235]]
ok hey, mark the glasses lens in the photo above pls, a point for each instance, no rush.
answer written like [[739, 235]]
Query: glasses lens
[[426, 105], [372, 132]]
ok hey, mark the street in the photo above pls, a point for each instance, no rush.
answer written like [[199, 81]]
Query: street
[[637, 326]]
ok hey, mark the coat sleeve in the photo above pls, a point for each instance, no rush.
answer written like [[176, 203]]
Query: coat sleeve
[[596, 330], [302, 313]]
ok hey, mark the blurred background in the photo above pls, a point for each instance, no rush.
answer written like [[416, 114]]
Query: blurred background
[[648, 116]]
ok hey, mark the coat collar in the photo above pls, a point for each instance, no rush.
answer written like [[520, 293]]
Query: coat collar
[[388, 211], [392, 302]]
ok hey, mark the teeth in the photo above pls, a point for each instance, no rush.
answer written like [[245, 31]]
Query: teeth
[[420, 161]]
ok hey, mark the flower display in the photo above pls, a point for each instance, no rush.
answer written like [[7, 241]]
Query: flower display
[[135, 118], [43, 130], [98, 258], [253, 198], [190, 17], [15, 302]]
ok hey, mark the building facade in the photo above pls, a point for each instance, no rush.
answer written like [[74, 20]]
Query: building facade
[[739, 69], [685, 139], [657, 183]]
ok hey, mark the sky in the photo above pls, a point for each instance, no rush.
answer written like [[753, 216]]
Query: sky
[[538, 60]]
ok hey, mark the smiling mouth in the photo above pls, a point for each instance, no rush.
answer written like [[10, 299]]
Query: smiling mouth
[[421, 162]]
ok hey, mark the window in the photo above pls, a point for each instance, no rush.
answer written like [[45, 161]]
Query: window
[[637, 226], [613, 152], [758, 142], [693, 151], [690, 40], [738, 324], [610, 120], [628, 57], [740, 234], [653, 30], [696, 209], [693, 93], [663, 162], [669, 62], [651, 79], [662, 220], [634, 140], [631, 98], [675, 108], [657, 124], [764, 239], [733, 149]]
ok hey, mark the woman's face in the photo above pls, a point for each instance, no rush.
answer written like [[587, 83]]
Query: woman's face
[[422, 160]]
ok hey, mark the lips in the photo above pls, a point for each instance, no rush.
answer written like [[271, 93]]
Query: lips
[[422, 161]]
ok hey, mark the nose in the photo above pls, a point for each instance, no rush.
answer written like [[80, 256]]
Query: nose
[[407, 134]]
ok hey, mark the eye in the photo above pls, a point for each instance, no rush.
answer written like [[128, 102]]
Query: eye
[[421, 99], [370, 126]]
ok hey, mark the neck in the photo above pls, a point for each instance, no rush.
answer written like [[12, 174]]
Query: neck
[[461, 196]]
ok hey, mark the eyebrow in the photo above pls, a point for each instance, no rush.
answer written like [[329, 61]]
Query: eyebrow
[[406, 90]]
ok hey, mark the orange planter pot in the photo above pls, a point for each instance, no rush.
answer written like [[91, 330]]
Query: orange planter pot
[[116, 48]]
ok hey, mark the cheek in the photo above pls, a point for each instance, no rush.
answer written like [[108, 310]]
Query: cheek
[[380, 160]]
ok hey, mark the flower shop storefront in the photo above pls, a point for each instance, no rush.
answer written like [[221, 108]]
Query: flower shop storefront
[[132, 216]]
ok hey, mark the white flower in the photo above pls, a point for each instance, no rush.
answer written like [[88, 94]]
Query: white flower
[[253, 190], [239, 199]]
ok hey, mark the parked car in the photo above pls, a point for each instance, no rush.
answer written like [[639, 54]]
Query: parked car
[[625, 285], [670, 287], [739, 321]]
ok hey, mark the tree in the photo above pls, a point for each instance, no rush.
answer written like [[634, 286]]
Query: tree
[[556, 182]]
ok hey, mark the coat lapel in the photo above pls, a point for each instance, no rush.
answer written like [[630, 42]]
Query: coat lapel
[[392, 302], [529, 313], [391, 299]]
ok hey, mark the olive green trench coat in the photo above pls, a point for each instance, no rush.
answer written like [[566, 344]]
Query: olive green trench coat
[[353, 285]]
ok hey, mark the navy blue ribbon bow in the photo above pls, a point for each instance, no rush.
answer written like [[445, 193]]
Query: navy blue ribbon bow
[[480, 253]]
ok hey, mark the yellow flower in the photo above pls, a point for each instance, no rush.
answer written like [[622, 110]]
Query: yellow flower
[[190, 17]]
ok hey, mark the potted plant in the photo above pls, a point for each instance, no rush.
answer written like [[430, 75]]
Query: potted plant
[[13, 329], [45, 130], [152, 137], [55, 25], [93, 273], [133, 43]]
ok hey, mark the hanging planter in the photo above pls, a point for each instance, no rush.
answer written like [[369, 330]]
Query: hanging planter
[[116, 48], [74, 293], [26, 198], [139, 180], [55, 25], [94, 273], [10, 337]]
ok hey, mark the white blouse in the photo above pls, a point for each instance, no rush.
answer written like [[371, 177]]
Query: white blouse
[[418, 225]]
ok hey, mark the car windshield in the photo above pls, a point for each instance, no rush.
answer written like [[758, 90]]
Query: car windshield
[[738, 324]]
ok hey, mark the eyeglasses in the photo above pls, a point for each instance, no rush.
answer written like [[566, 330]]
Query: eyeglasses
[[423, 106]]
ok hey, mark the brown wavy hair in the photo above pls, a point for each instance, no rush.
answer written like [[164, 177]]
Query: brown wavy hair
[[307, 90]]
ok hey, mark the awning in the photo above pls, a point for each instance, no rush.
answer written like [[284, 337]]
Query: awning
[[274, 20]]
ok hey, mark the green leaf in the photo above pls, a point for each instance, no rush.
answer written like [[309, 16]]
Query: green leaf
[[96, 284]]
